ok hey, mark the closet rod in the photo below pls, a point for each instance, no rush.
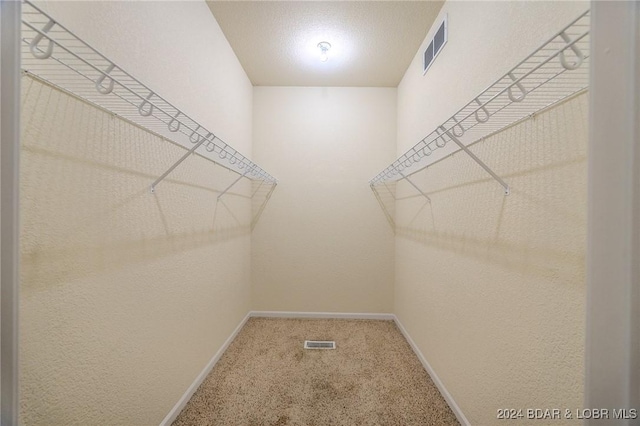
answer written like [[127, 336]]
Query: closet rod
[[69, 63]]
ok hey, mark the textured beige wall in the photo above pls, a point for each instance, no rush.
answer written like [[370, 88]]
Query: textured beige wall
[[491, 288], [322, 243], [126, 295]]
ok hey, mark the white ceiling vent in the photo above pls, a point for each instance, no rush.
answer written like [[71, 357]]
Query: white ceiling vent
[[319, 344], [436, 45]]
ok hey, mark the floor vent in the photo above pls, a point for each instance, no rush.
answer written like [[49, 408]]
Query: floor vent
[[319, 344]]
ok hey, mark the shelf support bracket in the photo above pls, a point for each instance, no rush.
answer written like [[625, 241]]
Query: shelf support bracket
[[233, 183], [176, 164], [415, 186], [257, 189], [386, 212], [463, 147], [388, 190]]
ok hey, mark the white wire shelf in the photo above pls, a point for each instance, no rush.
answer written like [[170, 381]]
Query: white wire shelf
[[555, 71], [54, 54]]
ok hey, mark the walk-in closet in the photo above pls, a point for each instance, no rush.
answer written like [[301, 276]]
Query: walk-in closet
[[319, 212]]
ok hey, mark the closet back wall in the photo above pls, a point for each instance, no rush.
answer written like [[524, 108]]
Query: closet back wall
[[126, 295], [323, 244]]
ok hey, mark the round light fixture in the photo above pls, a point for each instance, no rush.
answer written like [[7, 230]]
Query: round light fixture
[[324, 47]]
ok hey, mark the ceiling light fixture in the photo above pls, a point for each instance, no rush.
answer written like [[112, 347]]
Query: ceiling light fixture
[[324, 49]]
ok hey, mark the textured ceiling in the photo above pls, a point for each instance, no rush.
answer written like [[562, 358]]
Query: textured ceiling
[[373, 42]]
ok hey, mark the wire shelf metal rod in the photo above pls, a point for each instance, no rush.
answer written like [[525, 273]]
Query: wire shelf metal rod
[[33, 76], [179, 161], [416, 187], [479, 161], [68, 51], [506, 89], [546, 83], [232, 184], [84, 45], [491, 134], [145, 100], [176, 164], [168, 123]]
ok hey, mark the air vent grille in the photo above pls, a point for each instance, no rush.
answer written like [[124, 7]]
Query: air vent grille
[[319, 344], [436, 44]]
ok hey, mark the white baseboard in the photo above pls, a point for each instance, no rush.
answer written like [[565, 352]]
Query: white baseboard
[[175, 411], [434, 377], [319, 315], [182, 402]]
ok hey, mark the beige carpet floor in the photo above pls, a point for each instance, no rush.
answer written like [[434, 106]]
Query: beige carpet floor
[[266, 378]]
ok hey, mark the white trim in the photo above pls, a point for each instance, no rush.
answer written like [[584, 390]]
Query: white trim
[[319, 315], [612, 352], [445, 393], [10, 16], [182, 402]]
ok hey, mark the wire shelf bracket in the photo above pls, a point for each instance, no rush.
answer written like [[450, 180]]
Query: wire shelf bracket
[[55, 55], [176, 164], [475, 158], [232, 184], [555, 71], [415, 186], [389, 190]]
